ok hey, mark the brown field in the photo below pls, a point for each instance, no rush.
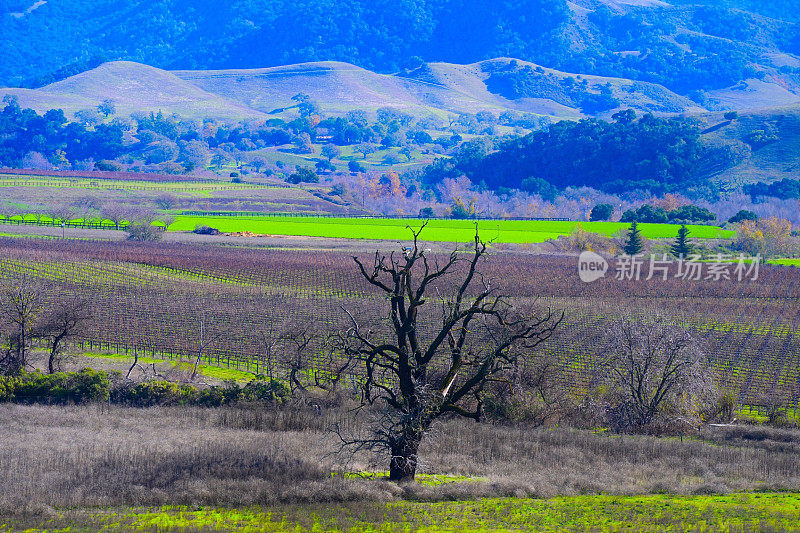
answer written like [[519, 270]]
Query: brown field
[[92, 456]]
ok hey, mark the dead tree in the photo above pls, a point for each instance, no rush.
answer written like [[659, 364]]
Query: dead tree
[[417, 373], [20, 305], [63, 323]]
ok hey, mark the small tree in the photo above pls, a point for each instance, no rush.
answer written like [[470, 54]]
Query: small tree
[[428, 363], [165, 201], [330, 152], [682, 247], [635, 241]]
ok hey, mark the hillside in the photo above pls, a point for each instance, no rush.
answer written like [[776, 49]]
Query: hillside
[[337, 88], [134, 88], [767, 144], [440, 89], [690, 47]]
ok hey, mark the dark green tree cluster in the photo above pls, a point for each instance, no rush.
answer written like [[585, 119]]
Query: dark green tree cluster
[[601, 213], [658, 155], [657, 215], [743, 215], [23, 131], [786, 189]]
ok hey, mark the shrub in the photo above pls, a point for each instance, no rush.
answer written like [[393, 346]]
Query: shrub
[[263, 389], [144, 232], [151, 393], [64, 387], [202, 229], [159, 392]]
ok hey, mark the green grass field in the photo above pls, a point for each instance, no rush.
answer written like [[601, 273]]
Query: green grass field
[[501, 231], [735, 512]]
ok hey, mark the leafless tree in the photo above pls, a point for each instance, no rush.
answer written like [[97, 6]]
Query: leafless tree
[[60, 324], [165, 201], [655, 369], [116, 214], [300, 345], [205, 339], [417, 373], [20, 305]]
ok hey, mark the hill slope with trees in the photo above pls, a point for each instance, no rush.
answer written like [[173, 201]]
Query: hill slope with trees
[[690, 49]]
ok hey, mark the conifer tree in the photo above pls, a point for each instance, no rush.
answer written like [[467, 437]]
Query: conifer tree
[[682, 246], [635, 243]]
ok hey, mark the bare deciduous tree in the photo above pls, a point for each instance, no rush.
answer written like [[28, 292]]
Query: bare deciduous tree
[[655, 369], [418, 373], [20, 305], [61, 324]]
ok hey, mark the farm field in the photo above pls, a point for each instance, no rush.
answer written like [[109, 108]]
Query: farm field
[[153, 298], [500, 231], [736, 512]]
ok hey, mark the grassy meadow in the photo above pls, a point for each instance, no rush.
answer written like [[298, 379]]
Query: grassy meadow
[[735, 512], [500, 231], [91, 468]]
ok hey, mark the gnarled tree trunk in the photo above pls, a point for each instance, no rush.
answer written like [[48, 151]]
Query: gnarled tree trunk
[[403, 464]]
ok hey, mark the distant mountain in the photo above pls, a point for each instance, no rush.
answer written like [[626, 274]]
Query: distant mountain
[[691, 47]]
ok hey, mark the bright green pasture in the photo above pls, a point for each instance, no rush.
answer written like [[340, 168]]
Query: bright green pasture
[[736, 512], [502, 231], [785, 262]]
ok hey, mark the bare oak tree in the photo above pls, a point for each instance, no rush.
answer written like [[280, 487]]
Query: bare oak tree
[[419, 368], [655, 368]]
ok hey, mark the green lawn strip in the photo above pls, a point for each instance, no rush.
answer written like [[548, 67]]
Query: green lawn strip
[[735, 512], [502, 231], [785, 262], [224, 374]]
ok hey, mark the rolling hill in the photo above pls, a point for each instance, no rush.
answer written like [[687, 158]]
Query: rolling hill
[[688, 46], [134, 88], [441, 89]]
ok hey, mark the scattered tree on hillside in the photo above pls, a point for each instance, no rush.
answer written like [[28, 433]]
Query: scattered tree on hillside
[[330, 152], [414, 375]]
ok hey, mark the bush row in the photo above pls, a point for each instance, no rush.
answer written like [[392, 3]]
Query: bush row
[[91, 386]]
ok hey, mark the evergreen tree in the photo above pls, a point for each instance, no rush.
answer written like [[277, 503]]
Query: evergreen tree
[[635, 243], [682, 246]]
